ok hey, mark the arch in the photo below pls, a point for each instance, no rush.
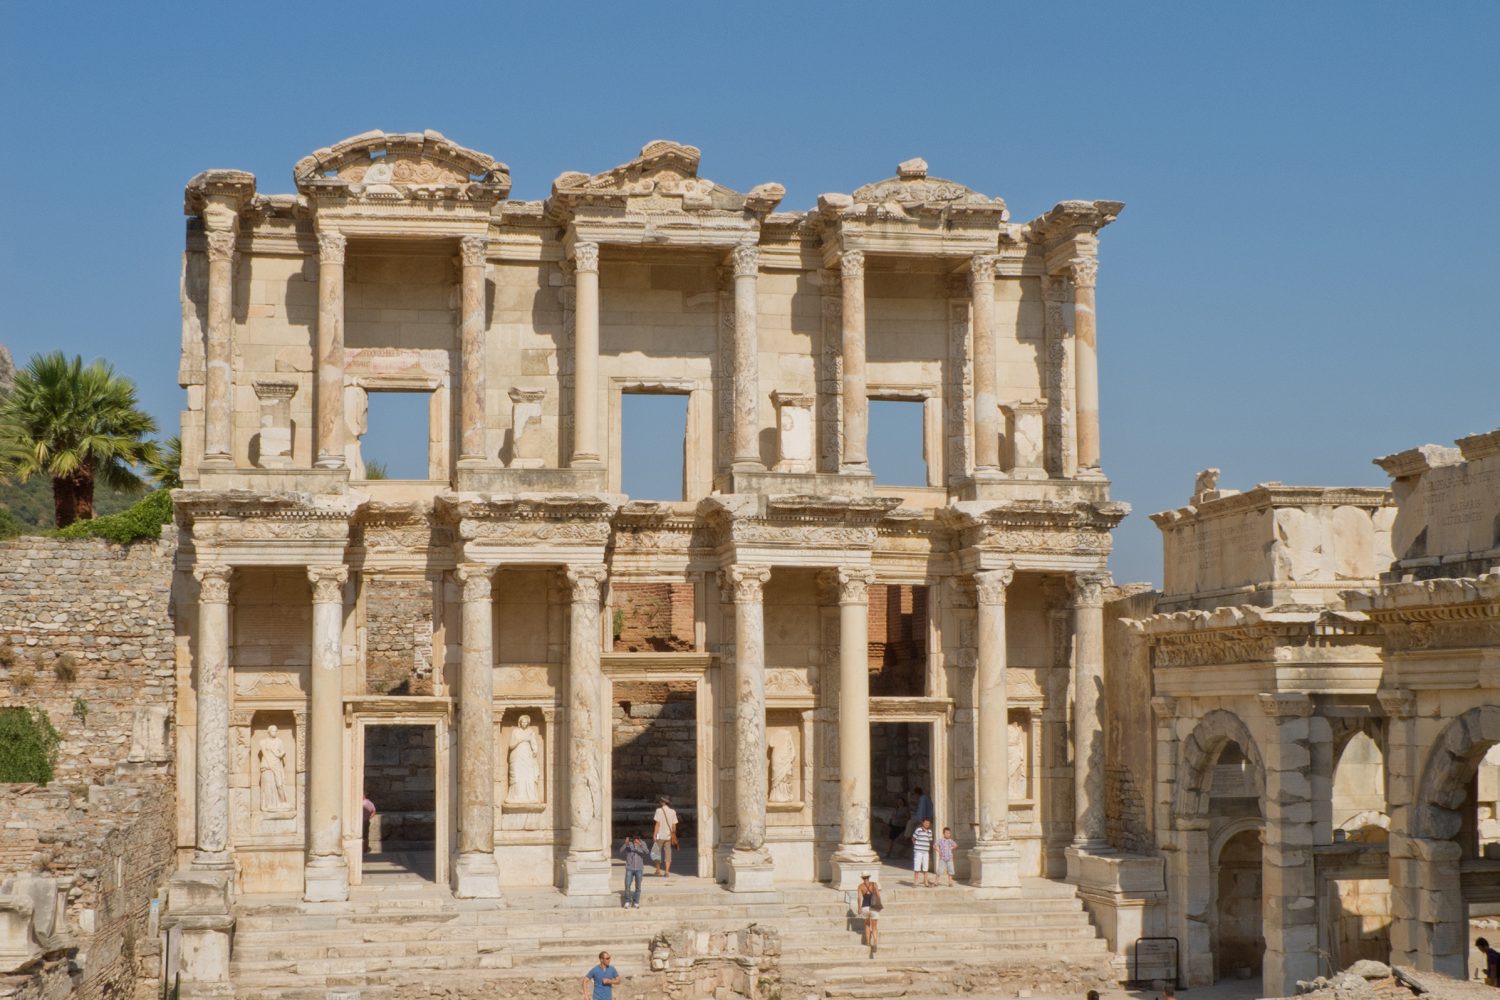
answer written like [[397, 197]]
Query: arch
[[1232, 830], [1359, 782], [1201, 749], [1451, 763]]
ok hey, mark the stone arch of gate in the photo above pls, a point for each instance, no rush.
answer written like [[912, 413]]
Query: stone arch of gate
[[1192, 900], [1428, 872]]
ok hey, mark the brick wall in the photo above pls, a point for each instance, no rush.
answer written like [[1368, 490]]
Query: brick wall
[[398, 636], [86, 634], [653, 617], [898, 640]]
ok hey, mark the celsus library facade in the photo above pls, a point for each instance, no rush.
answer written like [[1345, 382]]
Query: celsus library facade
[[508, 658]]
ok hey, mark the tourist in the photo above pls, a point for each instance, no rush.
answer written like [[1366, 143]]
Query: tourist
[[896, 825], [945, 846], [602, 978], [924, 806], [663, 836], [1491, 962], [635, 851], [869, 910], [921, 854], [367, 811]]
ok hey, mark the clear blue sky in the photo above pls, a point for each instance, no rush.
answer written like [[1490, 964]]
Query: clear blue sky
[[1304, 276]]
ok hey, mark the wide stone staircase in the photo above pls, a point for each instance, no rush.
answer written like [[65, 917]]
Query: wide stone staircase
[[383, 939]]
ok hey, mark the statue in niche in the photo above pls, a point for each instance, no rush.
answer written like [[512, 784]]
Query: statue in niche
[[1016, 758], [272, 754], [525, 773], [783, 751]]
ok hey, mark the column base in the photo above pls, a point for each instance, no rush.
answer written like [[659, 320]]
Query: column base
[[751, 871], [585, 876], [325, 880], [476, 876], [1092, 472], [851, 862], [329, 462], [995, 870]]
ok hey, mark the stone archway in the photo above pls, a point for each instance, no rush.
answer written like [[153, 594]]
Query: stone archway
[[1193, 896], [1426, 864]]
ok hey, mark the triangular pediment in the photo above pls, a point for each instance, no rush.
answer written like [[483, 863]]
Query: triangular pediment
[[662, 179], [913, 192], [380, 164]]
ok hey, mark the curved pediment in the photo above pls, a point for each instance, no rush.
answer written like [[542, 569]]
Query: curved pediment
[[376, 164], [663, 178], [913, 192]]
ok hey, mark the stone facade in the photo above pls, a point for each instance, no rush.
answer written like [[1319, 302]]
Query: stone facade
[[87, 635], [400, 265]]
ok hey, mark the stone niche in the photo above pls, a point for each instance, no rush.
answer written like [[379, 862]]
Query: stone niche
[[521, 765], [785, 759], [267, 776], [272, 774], [1020, 754]]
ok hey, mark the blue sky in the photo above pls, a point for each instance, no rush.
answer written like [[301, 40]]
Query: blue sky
[[1303, 278]]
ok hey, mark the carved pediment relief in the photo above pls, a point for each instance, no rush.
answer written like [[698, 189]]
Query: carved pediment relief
[[663, 178], [912, 193], [378, 165]]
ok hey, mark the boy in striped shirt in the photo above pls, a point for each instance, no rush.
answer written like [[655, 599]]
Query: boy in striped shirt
[[921, 850]]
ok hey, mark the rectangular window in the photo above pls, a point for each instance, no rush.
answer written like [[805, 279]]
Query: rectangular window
[[653, 439], [898, 456], [395, 444]]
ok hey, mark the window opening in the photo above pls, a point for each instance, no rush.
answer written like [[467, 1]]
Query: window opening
[[897, 452], [396, 441], [653, 440]]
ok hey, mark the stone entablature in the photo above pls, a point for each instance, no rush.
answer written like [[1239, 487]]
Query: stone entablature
[[1273, 545]]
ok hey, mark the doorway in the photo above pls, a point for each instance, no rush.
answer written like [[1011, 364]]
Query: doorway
[[901, 770], [399, 815], [654, 753]]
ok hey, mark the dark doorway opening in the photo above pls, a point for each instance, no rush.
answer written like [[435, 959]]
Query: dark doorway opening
[[400, 781], [900, 775], [655, 753]]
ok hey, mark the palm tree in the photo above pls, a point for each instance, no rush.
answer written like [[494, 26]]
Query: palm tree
[[166, 470], [78, 424]]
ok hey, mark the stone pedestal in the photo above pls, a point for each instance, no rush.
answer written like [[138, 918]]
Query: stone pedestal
[[584, 876], [198, 904], [1126, 896], [995, 870], [794, 432], [751, 871], [18, 944], [526, 428], [1028, 454], [274, 442]]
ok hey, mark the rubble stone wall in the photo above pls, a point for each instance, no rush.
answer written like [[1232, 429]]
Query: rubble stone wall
[[656, 742], [86, 634], [1129, 749], [398, 636]]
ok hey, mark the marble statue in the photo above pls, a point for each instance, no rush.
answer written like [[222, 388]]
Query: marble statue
[[272, 753], [783, 753], [525, 775]]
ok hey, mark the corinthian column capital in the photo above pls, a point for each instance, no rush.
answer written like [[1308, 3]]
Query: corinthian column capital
[[474, 250], [475, 580], [586, 257], [327, 583], [586, 582], [982, 267], [853, 583], [746, 583], [1088, 589], [852, 263], [220, 244], [1084, 271], [990, 585], [331, 247], [746, 260], [213, 583]]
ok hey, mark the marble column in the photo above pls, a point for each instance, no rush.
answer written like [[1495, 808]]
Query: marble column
[[218, 373], [994, 864], [211, 768], [986, 399], [855, 398], [750, 867], [327, 874], [473, 251], [1083, 271], [586, 868], [746, 376], [854, 855], [1088, 700], [475, 873], [586, 356], [330, 359]]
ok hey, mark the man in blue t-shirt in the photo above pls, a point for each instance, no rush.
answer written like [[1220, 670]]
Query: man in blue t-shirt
[[602, 979]]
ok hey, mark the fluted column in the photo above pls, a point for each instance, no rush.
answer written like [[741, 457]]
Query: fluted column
[[475, 874], [330, 396], [1088, 699], [586, 355], [218, 374], [746, 439], [212, 763], [986, 399], [1083, 271], [473, 251], [854, 855], [856, 403], [750, 868], [994, 864], [327, 874], [586, 869]]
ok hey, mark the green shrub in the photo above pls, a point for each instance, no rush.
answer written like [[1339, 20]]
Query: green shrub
[[28, 746], [142, 522], [10, 525]]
